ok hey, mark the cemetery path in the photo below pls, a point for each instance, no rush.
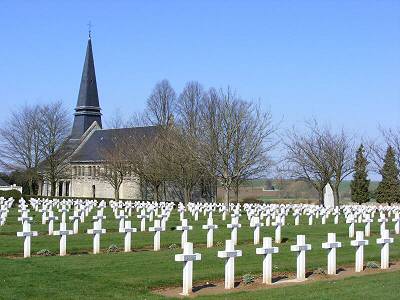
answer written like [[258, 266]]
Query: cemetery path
[[280, 280]]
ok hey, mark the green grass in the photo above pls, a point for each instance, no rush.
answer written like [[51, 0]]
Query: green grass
[[134, 275]]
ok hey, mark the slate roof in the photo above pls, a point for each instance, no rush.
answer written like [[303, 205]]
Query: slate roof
[[91, 149], [3, 183], [87, 108]]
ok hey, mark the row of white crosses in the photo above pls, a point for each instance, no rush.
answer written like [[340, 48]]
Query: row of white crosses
[[267, 250], [147, 210]]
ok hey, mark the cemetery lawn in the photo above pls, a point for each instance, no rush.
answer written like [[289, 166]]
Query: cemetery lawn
[[82, 275]]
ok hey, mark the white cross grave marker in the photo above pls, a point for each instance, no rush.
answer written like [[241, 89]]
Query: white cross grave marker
[[267, 250], [187, 258], [331, 245], [229, 254], [26, 233], [210, 227], [63, 232], [97, 231], [301, 247], [359, 242], [385, 241], [128, 230]]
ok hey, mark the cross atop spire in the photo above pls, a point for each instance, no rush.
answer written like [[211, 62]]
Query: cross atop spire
[[90, 29]]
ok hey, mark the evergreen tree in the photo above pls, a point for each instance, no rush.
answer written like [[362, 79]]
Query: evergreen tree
[[388, 190], [359, 185]]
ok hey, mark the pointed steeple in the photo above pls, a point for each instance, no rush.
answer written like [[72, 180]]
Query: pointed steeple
[[87, 109]]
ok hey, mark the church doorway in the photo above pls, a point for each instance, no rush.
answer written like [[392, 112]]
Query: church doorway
[[94, 191]]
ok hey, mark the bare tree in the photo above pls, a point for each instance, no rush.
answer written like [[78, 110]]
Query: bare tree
[[116, 120], [340, 151], [20, 144], [320, 156], [377, 150], [234, 138], [307, 160], [181, 160], [161, 105], [189, 106], [253, 145], [54, 130], [116, 165], [143, 153]]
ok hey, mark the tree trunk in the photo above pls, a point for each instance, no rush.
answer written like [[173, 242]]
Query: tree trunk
[[186, 195], [237, 192], [336, 196], [53, 188], [321, 196], [116, 194], [226, 197]]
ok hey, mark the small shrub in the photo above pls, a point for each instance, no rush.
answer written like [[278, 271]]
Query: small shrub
[[112, 248], [219, 244], [11, 194], [248, 278], [251, 200], [44, 252], [319, 271], [173, 246], [372, 265]]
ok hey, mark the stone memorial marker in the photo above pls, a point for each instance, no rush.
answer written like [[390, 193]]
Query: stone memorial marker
[[329, 200]]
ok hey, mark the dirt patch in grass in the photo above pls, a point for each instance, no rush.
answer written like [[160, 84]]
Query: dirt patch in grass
[[281, 279]]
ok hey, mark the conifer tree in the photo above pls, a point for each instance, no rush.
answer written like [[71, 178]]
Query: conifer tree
[[360, 183], [388, 190]]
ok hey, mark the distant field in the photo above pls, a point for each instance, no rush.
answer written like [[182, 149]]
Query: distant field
[[287, 191]]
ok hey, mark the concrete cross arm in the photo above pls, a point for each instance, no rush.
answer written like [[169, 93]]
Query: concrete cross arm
[[227, 254], [62, 232], [384, 241], [24, 219], [383, 220], [96, 231], [297, 248], [156, 229], [359, 243], [257, 225], [125, 230], [230, 226], [210, 226], [396, 219], [330, 245], [73, 218], [99, 217], [264, 251], [27, 233], [182, 228], [188, 257]]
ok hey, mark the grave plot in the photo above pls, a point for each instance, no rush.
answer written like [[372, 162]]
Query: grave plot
[[227, 241]]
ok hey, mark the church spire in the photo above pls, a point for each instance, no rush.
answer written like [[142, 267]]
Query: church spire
[[87, 109]]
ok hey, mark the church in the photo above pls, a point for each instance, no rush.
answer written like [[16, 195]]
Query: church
[[87, 139]]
